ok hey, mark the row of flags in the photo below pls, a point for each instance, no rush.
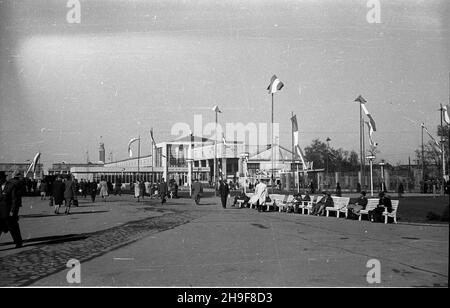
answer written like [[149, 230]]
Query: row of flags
[[276, 85]]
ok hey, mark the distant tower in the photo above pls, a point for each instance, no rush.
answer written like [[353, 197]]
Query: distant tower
[[101, 152]]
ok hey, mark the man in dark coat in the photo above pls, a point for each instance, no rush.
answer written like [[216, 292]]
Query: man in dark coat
[[224, 190], [163, 190], [58, 193], [376, 215], [69, 193], [10, 204], [197, 189]]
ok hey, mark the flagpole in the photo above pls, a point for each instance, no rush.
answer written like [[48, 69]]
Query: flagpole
[[271, 141], [360, 145], [363, 149], [139, 156], [292, 137], [423, 162], [443, 148], [153, 160], [215, 161]]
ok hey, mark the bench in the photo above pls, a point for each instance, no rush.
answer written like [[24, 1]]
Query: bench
[[393, 213], [371, 205], [308, 205], [240, 202], [279, 200], [338, 204]]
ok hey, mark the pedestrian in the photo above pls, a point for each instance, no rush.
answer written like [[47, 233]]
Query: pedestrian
[[400, 190], [224, 191], [142, 189], [10, 203], [103, 189], [93, 190], [163, 190], [118, 187], [338, 190], [43, 189], [197, 189], [69, 193], [58, 193], [137, 188]]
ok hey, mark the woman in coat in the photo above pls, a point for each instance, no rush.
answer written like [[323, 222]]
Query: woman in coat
[[58, 188], [103, 189], [69, 193]]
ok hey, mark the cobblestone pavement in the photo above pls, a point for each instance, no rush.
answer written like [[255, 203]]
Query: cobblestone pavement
[[25, 267]]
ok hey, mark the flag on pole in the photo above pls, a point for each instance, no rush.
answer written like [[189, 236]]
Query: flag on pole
[[360, 99], [446, 117], [151, 135], [300, 153], [431, 136], [216, 109], [34, 163], [372, 122], [275, 85], [129, 146], [297, 148], [295, 129], [224, 141], [372, 143]]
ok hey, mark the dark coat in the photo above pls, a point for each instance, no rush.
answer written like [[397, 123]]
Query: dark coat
[[196, 189], [58, 192], [163, 189], [224, 190], [69, 190], [11, 197]]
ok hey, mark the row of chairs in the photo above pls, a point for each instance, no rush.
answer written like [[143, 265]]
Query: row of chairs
[[286, 203]]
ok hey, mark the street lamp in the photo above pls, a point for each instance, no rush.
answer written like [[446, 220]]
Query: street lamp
[[371, 158], [382, 174], [328, 151], [217, 111], [245, 156]]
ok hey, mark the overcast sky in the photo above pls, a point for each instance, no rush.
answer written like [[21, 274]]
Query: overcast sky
[[132, 65]]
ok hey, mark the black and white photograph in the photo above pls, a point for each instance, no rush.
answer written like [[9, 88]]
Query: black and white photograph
[[224, 149]]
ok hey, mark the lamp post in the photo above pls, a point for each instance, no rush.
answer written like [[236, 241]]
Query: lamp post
[[382, 174], [217, 111], [328, 151], [245, 156], [371, 158]]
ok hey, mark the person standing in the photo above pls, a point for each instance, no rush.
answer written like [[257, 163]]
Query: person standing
[[12, 201], [43, 189], [197, 189], [103, 189], [401, 190], [93, 190], [69, 193], [338, 190], [224, 190], [163, 190], [118, 187], [58, 193]]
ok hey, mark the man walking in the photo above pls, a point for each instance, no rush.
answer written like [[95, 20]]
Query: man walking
[[163, 190], [197, 189], [11, 202], [69, 193], [224, 190]]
